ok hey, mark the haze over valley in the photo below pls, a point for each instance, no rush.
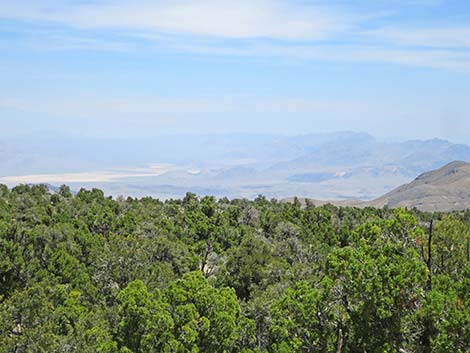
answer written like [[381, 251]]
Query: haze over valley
[[329, 166]]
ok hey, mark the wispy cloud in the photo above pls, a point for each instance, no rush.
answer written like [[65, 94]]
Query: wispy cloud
[[241, 19], [256, 28], [435, 58], [436, 37]]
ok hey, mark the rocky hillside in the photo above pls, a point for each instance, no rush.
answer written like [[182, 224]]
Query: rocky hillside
[[445, 189]]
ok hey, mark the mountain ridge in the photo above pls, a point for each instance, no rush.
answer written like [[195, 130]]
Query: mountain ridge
[[444, 189]]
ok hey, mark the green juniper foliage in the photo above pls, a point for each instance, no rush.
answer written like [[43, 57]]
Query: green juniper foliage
[[88, 273]]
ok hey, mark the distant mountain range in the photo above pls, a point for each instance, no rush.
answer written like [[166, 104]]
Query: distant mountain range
[[333, 166]]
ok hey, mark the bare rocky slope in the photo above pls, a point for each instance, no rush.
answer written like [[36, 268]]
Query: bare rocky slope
[[444, 189]]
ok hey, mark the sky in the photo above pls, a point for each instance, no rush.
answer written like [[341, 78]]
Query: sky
[[141, 68]]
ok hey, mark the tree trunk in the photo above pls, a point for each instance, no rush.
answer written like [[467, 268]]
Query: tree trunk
[[339, 346], [428, 324], [429, 263]]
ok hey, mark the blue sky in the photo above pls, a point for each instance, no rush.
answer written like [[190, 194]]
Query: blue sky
[[102, 68]]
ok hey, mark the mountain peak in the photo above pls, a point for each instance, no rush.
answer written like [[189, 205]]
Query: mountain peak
[[445, 172]]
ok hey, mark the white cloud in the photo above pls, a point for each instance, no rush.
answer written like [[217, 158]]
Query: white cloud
[[438, 37], [435, 58], [241, 19], [288, 29]]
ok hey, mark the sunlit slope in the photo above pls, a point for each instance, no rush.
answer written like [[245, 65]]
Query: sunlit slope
[[444, 189]]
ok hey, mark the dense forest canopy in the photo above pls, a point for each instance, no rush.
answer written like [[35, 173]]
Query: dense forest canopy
[[88, 273]]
